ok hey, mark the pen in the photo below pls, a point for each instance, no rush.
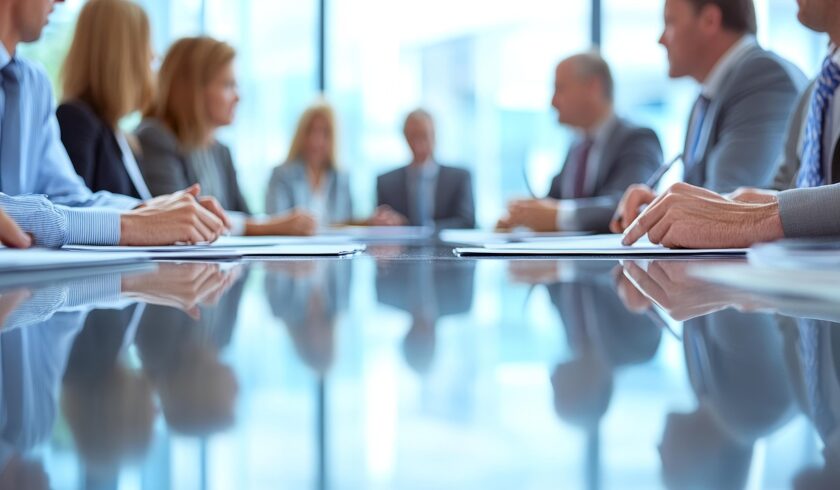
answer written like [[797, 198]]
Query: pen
[[654, 179]]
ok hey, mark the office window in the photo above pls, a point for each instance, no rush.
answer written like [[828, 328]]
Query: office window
[[484, 69]]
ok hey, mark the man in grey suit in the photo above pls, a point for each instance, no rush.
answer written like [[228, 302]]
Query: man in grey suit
[[690, 217], [609, 155], [424, 193]]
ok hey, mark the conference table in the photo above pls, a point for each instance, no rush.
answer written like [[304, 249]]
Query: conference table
[[408, 367]]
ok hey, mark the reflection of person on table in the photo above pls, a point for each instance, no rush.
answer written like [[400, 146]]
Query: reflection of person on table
[[428, 292], [309, 296]]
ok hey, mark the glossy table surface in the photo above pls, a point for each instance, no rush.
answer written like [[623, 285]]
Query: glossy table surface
[[409, 368]]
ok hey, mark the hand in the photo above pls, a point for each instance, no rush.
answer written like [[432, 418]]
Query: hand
[[386, 216], [11, 235], [296, 223], [182, 286], [669, 286], [755, 196], [504, 224], [179, 218], [537, 214], [628, 210], [207, 202], [690, 217]]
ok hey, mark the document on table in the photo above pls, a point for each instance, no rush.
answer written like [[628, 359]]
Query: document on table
[[587, 246], [270, 241], [482, 238], [823, 284], [380, 233], [325, 250], [211, 252], [37, 259]]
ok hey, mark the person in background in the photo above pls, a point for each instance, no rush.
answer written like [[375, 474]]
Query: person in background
[[197, 94], [610, 154], [424, 193], [310, 179], [106, 76], [39, 188]]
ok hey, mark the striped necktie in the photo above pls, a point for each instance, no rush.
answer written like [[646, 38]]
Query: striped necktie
[[811, 172]]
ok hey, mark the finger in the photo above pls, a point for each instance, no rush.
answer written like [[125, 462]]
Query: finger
[[11, 235], [657, 233], [210, 220], [645, 283], [632, 208], [212, 205], [193, 190], [649, 218]]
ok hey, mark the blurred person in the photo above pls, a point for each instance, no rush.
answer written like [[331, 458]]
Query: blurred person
[[806, 195], [106, 76], [35, 164], [310, 178], [197, 94], [609, 155], [424, 193]]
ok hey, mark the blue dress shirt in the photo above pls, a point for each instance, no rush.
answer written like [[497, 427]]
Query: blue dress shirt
[[62, 210]]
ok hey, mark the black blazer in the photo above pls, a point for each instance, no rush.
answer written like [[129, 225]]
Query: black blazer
[[93, 149]]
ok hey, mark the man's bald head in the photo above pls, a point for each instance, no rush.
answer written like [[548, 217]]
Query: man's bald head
[[583, 90]]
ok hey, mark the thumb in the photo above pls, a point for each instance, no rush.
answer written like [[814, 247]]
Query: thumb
[[194, 190]]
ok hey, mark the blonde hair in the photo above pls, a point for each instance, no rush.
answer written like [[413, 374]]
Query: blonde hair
[[109, 62], [320, 109], [189, 66]]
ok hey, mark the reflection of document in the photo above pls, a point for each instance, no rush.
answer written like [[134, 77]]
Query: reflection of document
[[39, 259], [798, 254], [814, 283], [270, 241], [597, 245]]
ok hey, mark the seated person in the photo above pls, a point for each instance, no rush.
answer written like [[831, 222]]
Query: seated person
[[691, 217], [424, 193], [197, 94], [33, 161], [610, 154], [310, 179], [96, 99]]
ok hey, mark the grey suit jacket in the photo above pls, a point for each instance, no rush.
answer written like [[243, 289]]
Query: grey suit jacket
[[744, 127], [454, 204], [289, 188], [167, 168], [630, 156], [806, 212]]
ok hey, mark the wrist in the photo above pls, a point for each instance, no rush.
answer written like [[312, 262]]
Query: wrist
[[769, 225]]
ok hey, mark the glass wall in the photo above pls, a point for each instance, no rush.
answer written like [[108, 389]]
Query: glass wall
[[484, 68]]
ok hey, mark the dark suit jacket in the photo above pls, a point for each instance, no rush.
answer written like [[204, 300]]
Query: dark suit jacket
[[454, 204], [744, 129], [93, 148], [630, 156]]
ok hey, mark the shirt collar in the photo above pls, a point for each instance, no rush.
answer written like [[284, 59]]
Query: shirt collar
[[725, 64], [602, 131], [5, 57], [428, 170]]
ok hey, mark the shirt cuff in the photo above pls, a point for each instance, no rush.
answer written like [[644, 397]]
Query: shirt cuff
[[237, 222], [566, 215], [91, 226], [810, 212]]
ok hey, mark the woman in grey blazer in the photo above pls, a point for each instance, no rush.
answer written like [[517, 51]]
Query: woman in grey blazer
[[309, 179], [197, 95]]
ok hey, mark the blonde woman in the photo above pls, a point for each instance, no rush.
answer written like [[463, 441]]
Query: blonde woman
[[106, 76], [310, 178], [197, 94]]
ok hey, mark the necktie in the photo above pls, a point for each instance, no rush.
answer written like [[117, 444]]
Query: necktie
[[695, 130], [10, 126], [811, 172], [582, 159]]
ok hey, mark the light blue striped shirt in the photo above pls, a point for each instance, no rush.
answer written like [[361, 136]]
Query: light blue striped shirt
[[66, 212]]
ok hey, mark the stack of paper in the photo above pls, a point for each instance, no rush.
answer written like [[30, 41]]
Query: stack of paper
[[588, 246], [231, 249]]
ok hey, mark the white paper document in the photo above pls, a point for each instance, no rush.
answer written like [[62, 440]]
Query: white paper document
[[482, 238], [270, 241], [210, 252], [596, 245], [36, 259], [303, 250], [380, 233]]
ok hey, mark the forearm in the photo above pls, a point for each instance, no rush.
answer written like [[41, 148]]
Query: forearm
[[54, 226], [810, 212]]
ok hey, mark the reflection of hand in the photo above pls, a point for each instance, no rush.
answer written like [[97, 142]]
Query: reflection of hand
[[668, 285], [182, 217], [182, 286], [633, 299], [534, 271], [634, 198], [537, 214], [690, 217], [296, 268], [11, 235], [386, 216], [10, 301], [385, 251]]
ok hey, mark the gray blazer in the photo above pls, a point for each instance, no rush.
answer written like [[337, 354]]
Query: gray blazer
[[454, 204], [744, 127], [630, 156], [289, 188], [806, 212], [167, 168]]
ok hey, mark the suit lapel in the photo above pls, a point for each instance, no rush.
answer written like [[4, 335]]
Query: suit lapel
[[611, 145]]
